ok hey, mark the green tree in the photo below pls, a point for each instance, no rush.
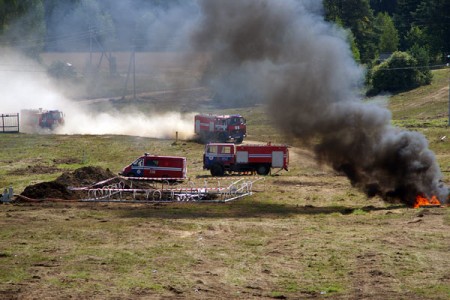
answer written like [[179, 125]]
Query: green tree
[[358, 17], [22, 25], [388, 6], [434, 17], [422, 55], [404, 18], [61, 70], [415, 36], [388, 37], [353, 46], [9, 10]]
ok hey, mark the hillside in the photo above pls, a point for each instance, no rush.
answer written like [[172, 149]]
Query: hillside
[[304, 233]]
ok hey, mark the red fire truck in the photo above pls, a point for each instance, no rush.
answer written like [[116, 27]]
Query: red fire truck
[[33, 119], [212, 128], [224, 157], [157, 167]]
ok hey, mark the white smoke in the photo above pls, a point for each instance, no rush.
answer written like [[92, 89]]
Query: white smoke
[[25, 85], [164, 125]]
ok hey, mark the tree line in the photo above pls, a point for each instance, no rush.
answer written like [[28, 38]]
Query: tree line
[[380, 26], [397, 40]]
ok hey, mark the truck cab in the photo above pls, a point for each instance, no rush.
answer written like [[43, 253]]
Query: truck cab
[[218, 157], [51, 119], [220, 128]]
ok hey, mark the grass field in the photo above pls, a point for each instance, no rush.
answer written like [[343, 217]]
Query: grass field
[[305, 233]]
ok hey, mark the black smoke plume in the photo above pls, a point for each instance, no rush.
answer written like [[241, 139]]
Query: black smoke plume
[[285, 54]]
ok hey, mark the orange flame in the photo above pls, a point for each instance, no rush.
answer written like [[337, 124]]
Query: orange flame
[[423, 201]]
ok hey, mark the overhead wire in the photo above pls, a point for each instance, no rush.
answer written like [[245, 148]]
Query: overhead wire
[[72, 37]]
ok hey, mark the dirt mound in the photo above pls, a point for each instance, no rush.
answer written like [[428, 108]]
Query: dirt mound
[[58, 188], [50, 189], [84, 176]]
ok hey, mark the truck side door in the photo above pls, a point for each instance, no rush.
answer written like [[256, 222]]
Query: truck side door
[[277, 159], [151, 165], [242, 157], [227, 152]]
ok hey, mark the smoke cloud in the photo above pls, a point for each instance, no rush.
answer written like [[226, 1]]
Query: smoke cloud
[[285, 54], [119, 25], [25, 85], [163, 126]]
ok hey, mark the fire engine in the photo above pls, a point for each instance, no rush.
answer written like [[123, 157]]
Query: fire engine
[[213, 128], [225, 157], [39, 118], [157, 167]]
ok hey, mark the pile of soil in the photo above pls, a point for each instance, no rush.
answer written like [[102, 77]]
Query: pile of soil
[[85, 176], [50, 189]]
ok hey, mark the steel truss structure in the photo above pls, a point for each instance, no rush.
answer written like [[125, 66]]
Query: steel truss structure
[[152, 190]]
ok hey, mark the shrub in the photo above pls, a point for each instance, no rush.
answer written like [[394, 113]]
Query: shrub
[[62, 70], [401, 71]]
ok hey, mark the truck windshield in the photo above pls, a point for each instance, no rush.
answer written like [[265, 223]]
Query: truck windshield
[[236, 121], [211, 149], [226, 149], [138, 162], [56, 115]]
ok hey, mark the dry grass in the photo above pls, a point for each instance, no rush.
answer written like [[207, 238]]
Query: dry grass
[[305, 233]]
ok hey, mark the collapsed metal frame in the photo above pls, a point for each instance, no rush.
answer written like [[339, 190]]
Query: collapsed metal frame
[[120, 189]]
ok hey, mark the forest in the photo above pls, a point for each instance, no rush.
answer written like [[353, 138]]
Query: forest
[[382, 34]]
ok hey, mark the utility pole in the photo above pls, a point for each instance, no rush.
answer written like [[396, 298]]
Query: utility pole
[[131, 68], [134, 72], [90, 46], [448, 63]]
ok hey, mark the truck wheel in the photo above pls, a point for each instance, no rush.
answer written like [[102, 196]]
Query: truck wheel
[[262, 170], [217, 170], [239, 140]]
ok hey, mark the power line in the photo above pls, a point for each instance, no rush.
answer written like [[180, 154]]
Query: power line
[[434, 67], [72, 37], [24, 71]]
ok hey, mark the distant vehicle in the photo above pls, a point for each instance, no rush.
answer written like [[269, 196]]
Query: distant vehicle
[[219, 158], [38, 118], [157, 167], [213, 128]]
